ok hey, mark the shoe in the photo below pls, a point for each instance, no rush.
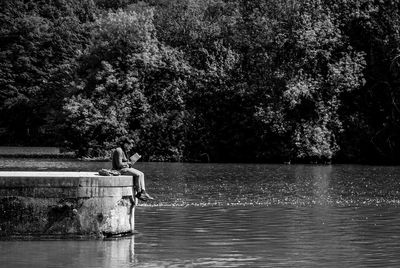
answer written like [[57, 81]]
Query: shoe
[[144, 196]]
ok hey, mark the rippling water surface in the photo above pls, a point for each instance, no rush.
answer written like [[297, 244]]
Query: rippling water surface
[[233, 215]]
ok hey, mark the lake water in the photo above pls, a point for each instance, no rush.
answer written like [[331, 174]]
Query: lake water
[[238, 215]]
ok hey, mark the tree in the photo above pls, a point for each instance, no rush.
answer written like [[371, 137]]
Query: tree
[[305, 64], [130, 85], [39, 44], [370, 113]]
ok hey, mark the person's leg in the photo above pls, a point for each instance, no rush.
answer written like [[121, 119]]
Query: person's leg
[[138, 182], [138, 177]]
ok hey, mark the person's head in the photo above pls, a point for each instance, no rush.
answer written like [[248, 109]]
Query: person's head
[[126, 144]]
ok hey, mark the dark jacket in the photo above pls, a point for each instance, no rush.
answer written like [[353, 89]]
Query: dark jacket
[[119, 159]]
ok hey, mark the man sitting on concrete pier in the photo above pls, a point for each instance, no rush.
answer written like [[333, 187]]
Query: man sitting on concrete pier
[[120, 162]]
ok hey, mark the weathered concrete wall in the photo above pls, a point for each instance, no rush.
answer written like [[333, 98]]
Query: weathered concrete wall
[[65, 204]]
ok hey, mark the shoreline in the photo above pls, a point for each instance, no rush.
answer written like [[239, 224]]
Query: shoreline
[[61, 156], [95, 159], [19, 152]]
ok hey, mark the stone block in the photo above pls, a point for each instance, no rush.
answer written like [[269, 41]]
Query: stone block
[[65, 204]]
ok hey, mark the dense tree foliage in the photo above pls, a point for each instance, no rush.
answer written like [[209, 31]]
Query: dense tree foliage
[[195, 80], [129, 84], [40, 42]]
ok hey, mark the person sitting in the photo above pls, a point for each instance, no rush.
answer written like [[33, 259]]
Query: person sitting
[[120, 162]]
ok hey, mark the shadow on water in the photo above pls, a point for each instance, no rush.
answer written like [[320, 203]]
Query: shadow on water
[[238, 215]]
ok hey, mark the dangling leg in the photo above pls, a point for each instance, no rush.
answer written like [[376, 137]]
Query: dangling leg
[[138, 182]]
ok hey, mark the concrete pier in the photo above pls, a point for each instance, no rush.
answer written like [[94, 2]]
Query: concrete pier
[[65, 204]]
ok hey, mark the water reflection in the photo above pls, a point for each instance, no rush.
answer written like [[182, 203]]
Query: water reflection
[[321, 175], [268, 237], [230, 237], [228, 215], [62, 253]]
